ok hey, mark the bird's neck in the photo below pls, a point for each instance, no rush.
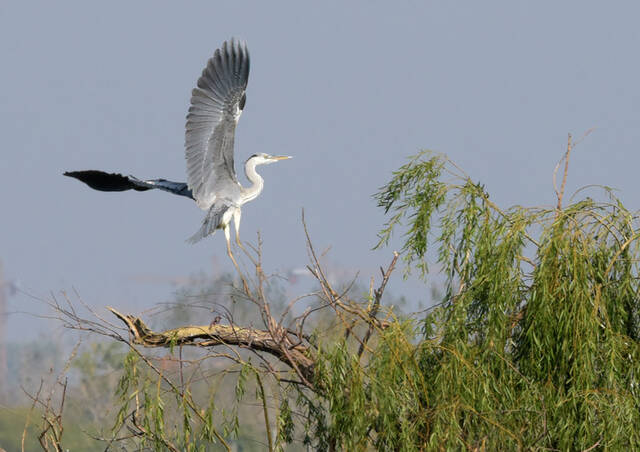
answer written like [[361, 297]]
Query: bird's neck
[[257, 183]]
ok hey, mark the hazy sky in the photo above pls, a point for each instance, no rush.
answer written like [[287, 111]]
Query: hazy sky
[[350, 89]]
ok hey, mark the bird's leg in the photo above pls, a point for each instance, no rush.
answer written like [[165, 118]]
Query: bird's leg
[[236, 221], [227, 236]]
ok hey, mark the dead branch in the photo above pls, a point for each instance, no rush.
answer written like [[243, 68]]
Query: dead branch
[[565, 157], [570, 145], [293, 355]]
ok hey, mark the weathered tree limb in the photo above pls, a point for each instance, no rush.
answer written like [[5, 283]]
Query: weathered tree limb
[[293, 355]]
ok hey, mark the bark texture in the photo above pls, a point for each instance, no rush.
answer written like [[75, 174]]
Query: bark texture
[[291, 352]]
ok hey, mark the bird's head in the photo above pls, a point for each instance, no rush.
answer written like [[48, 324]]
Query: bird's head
[[264, 159]]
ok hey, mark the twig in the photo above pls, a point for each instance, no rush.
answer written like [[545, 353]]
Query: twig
[[376, 303], [331, 295], [265, 410], [35, 399], [570, 145], [565, 157], [594, 446]]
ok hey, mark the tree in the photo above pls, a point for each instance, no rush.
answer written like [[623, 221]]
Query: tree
[[534, 344]]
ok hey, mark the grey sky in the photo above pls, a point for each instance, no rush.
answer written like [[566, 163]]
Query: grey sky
[[350, 89]]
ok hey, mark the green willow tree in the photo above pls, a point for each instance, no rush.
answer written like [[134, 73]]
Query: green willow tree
[[536, 352], [533, 346]]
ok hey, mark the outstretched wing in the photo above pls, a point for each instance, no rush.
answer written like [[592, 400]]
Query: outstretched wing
[[99, 180], [216, 105]]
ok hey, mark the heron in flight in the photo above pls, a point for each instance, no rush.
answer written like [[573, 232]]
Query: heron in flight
[[216, 105]]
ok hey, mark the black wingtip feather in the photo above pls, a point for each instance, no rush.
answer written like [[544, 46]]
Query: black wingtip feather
[[99, 180]]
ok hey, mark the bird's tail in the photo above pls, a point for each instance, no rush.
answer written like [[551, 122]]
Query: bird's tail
[[211, 222]]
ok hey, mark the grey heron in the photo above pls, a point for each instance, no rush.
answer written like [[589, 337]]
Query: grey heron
[[216, 105]]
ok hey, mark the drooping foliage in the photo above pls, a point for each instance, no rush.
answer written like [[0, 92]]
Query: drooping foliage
[[534, 344]]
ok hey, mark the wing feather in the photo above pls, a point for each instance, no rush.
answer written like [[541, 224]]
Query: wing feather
[[216, 104], [99, 180]]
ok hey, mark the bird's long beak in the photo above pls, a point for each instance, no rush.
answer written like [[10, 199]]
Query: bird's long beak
[[281, 157]]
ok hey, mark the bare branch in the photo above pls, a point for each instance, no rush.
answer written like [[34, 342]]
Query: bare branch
[[570, 145], [567, 154], [216, 334]]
